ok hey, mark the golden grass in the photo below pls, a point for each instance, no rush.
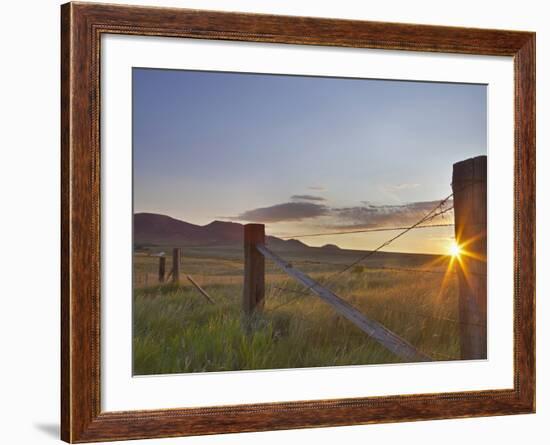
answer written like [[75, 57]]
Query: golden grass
[[176, 330]]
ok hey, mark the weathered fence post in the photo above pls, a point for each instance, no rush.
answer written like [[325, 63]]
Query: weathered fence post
[[470, 209], [254, 269], [176, 265], [162, 268]]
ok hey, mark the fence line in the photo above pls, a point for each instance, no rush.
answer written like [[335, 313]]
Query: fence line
[[375, 267], [375, 229], [426, 218], [470, 205], [461, 181], [391, 240], [436, 211], [351, 232], [200, 289], [375, 330]]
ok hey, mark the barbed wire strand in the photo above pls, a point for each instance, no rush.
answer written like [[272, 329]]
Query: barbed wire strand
[[391, 240], [428, 217], [349, 232]]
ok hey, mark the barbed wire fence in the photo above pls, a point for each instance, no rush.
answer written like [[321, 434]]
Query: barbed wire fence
[[436, 211], [257, 249], [443, 207]]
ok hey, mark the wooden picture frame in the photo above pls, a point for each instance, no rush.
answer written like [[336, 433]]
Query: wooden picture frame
[[82, 25]]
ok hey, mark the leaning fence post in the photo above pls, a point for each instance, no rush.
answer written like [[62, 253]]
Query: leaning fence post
[[470, 210], [254, 269], [176, 265], [162, 268]]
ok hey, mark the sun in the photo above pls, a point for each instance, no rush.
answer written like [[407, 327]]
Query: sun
[[454, 250]]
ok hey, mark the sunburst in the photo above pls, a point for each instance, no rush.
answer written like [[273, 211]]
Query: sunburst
[[454, 250]]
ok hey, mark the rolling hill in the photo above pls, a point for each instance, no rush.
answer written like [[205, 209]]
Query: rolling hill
[[152, 229]]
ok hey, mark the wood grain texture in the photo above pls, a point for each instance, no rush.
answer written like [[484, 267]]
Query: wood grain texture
[[470, 211], [254, 269], [82, 26], [176, 258]]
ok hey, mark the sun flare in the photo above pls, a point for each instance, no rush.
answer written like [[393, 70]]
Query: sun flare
[[454, 250]]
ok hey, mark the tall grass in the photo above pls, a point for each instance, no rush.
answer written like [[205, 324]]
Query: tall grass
[[176, 330]]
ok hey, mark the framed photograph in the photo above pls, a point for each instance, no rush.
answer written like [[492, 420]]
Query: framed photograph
[[275, 222]]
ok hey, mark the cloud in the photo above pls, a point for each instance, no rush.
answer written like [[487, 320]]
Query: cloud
[[307, 198], [370, 215], [317, 188], [364, 216], [289, 211]]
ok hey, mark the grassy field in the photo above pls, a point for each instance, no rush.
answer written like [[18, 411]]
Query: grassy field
[[176, 330]]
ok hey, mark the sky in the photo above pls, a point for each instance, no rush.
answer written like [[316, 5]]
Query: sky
[[303, 154]]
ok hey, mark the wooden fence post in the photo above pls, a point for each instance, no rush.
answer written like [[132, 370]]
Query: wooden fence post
[[470, 210], [176, 265], [254, 269], [162, 268]]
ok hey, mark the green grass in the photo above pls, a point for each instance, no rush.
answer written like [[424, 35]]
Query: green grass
[[176, 330]]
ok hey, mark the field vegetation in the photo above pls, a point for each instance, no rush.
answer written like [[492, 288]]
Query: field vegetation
[[176, 330]]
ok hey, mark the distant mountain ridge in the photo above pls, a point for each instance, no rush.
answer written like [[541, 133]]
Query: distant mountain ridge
[[157, 229]]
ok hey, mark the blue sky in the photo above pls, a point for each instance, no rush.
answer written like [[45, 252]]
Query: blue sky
[[301, 154]]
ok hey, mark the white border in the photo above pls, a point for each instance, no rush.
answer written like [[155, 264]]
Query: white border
[[120, 391]]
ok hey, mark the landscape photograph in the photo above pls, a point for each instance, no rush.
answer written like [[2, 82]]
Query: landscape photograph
[[288, 221]]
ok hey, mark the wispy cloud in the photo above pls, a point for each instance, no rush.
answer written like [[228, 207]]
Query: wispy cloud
[[366, 215], [317, 188], [289, 211], [307, 198], [370, 215]]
